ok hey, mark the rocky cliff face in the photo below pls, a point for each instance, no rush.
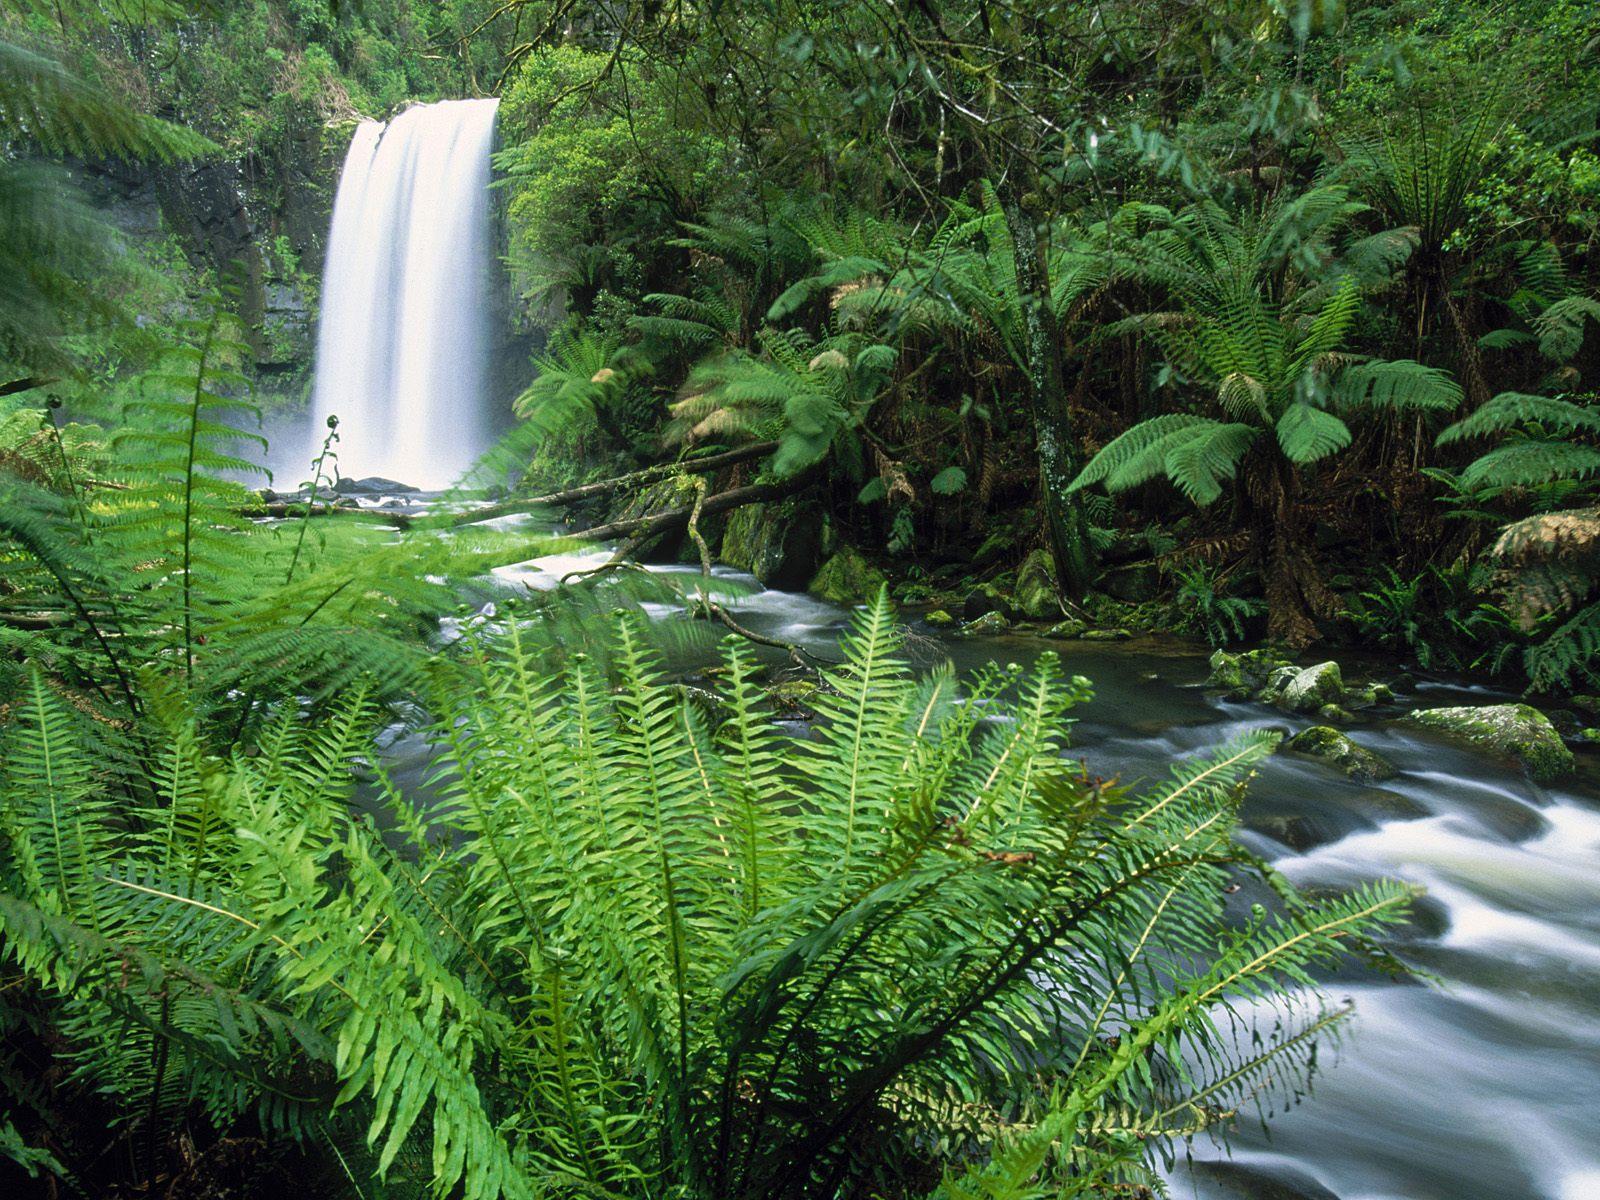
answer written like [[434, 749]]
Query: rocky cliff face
[[258, 222]]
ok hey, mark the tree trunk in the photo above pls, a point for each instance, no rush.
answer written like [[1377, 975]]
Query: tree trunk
[[1065, 527], [1295, 591], [678, 518]]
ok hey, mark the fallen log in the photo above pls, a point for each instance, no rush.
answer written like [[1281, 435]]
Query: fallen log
[[666, 522], [605, 487], [294, 511]]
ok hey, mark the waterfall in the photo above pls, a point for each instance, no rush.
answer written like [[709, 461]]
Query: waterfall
[[402, 344]]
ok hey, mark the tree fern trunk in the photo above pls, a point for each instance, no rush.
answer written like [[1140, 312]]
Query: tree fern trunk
[[1296, 593], [1065, 526]]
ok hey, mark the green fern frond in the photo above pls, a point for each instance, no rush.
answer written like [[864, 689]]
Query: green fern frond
[[1529, 463], [1400, 385], [1307, 434], [1510, 410], [1561, 326]]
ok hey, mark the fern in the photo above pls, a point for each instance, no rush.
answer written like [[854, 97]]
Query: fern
[[58, 259], [627, 950], [1259, 338]]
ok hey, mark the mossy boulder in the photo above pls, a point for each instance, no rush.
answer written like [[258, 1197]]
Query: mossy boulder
[[1227, 672], [1515, 731], [1241, 676], [1311, 688], [780, 544], [1067, 629], [939, 619], [1106, 635], [988, 625], [847, 578], [1035, 596], [984, 599], [1327, 744]]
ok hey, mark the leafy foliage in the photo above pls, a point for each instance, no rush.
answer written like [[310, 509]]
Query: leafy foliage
[[612, 902], [1205, 609]]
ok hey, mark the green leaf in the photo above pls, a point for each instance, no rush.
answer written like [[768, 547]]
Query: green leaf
[[1307, 434]]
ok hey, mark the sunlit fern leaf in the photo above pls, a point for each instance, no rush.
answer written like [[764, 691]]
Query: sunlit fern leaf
[[1509, 410], [1136, 444], [40, 99], [651, 941], [1531, 462], [571, 378]]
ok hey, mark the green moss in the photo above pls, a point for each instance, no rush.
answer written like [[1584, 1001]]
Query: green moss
[[793, 698], [847, 578], [1328, 745], [1516, 731], [939, 619]]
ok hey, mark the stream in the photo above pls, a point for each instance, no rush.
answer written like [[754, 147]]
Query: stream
[[1484, 1084]]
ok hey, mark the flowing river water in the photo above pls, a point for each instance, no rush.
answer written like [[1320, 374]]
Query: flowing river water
[[1483, 1084]]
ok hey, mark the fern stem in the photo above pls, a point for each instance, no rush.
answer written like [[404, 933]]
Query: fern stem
[[188, 497], [311, 502]]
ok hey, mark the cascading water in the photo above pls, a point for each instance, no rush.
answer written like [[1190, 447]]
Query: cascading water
[[402, 347]]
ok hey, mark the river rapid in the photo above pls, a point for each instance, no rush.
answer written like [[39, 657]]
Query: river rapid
[[1483, 1084]]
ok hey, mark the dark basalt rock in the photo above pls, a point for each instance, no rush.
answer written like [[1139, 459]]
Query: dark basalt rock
[[373, 485]]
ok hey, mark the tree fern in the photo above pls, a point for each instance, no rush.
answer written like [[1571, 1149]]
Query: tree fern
[[1261, 336]]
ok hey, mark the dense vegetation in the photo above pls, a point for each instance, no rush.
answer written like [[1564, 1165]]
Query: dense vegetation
[[1262, 320], [1310, 290]]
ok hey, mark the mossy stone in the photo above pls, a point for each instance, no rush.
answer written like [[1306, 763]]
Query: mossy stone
[[989, 624], [1313, 687], [986, 598], [780, 544], [1227, 672], [1516, 731], [939, 619], [1327, 744], [1066, 629], [1035, 595], [847, 578], [1106, 635]]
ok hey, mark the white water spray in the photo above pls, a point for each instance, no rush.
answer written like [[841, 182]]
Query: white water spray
[[402, 346]]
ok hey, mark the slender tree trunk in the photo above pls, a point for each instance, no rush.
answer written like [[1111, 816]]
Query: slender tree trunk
[[1295, 590], [1065, 527]]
